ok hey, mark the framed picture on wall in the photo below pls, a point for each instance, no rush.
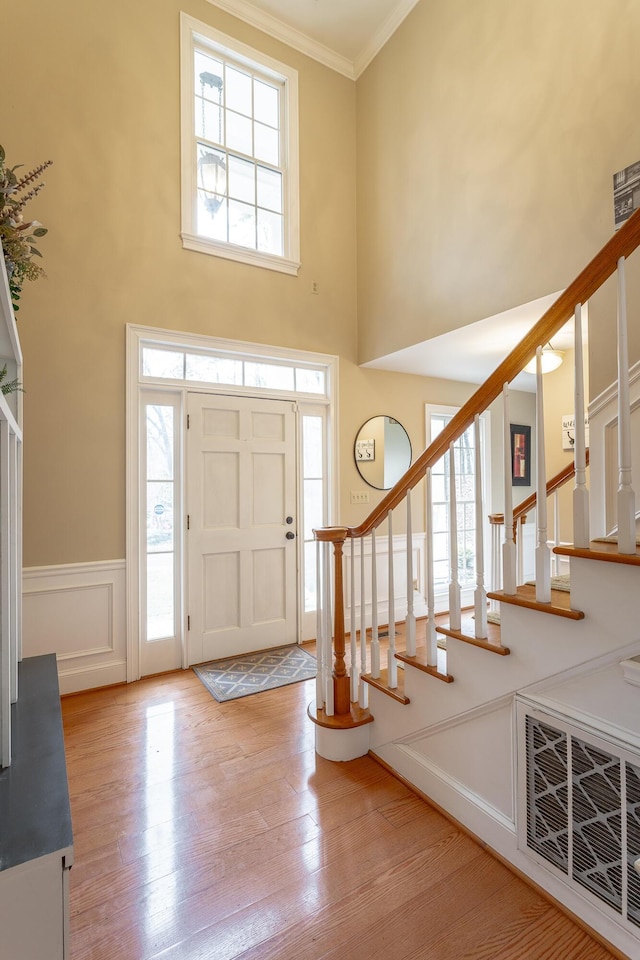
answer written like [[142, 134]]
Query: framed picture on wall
[[520, 455], [365, 450]]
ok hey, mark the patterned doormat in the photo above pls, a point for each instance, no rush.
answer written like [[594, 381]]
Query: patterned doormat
[[241, 676]]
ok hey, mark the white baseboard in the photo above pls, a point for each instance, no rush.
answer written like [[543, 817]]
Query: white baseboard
[[77, 611]]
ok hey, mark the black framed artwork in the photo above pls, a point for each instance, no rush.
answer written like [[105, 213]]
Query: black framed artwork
[[520, 455]]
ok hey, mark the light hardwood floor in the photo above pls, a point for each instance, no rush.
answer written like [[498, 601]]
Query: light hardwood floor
[[207, 831]]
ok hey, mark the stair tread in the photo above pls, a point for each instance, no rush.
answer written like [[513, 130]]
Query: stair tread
[[525, 596], [421, 662], [467, 634], [382, 683], [605, 549]]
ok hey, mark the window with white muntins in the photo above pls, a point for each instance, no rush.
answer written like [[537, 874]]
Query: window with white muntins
[[239, 151]]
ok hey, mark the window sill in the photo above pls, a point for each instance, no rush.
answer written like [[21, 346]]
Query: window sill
[[229, 251]]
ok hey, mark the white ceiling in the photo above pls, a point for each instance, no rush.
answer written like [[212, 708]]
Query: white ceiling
[[343, 34], [470, 354]]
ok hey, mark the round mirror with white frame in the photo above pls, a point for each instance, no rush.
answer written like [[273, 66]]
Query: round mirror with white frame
[[382, 452]]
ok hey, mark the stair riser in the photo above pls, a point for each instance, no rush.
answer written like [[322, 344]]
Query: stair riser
[[541, 647], [609, 593]]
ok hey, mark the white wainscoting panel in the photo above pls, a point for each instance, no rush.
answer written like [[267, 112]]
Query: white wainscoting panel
[[77, 611], [382, 570], [603, 461]]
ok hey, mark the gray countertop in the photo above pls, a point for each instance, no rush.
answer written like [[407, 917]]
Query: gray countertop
[[35, 815]]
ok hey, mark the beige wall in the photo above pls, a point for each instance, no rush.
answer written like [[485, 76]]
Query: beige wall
[[97, 90], [369, 393], [454, 157], [488, 136]]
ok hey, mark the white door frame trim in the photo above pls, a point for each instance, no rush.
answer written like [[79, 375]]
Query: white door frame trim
[[136, 336]]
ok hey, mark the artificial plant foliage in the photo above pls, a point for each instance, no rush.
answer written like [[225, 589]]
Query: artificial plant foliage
[[17, 234], [8, 386]]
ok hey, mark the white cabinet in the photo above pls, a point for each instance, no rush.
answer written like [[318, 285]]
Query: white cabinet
[[10, 517], [36, 843]]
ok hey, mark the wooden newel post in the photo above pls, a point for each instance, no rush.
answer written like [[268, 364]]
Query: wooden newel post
[[341, 681]]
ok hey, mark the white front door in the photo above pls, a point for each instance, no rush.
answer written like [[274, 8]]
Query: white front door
[[241, 506]]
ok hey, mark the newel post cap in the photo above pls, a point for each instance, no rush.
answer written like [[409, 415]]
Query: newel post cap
[[331, 534]]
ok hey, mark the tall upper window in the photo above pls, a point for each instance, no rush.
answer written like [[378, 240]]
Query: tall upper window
[[239, 151]]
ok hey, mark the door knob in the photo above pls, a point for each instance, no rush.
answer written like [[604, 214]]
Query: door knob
[[290, 535], [289, 520]]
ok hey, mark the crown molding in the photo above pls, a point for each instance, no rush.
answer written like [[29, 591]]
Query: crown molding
[[382, 35], [246, 12]]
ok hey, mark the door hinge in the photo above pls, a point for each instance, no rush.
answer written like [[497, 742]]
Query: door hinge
[[188, 522], [188, 420], [188, 623]]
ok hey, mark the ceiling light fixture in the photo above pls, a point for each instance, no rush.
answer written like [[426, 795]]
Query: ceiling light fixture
[[551, 360]]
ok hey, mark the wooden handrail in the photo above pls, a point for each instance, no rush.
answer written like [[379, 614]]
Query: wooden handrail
[[603, 265], [562, 477]]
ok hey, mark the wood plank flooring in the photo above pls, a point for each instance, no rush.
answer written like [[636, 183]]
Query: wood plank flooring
[[207, 831]]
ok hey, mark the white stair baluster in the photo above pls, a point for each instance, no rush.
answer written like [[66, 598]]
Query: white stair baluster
[[353, 666], [626, 496], [454, 583], [410, 639], [364, 687], [543, 555], [327, 657], [580, 492], [432, 637], [496, 521], [320, 623], [480, 594], [556, 531], [508, 547], [392, 663], [375, 640], [519, 535]]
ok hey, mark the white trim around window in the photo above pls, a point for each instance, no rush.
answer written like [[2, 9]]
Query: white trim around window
[[195, 34]]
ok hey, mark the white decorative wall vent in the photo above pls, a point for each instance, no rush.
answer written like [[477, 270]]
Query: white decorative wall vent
[[547, 793], [583, 812]]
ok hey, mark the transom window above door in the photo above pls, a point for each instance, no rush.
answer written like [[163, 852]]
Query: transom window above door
[[240, 151], [159, 363]]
